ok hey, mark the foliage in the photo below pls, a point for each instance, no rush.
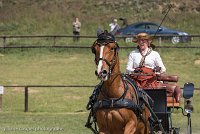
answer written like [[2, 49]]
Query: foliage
[[21, 17]]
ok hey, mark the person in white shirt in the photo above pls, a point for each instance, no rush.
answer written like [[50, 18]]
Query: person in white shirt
[[144, 60], [114, 27], [76, 29], [144, 55]]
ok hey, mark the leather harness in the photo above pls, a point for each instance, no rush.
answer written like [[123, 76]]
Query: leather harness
[[121, 102]]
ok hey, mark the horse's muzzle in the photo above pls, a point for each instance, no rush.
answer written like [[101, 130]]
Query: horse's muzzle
[[103, 75]]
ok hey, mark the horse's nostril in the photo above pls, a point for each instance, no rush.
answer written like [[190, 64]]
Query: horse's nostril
[[96, 72], [104, 72]]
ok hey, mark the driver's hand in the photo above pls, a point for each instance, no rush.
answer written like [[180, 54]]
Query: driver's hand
[[137, 70], [157, 69]]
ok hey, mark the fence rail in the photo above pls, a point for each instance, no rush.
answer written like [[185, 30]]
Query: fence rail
[[5, 38], [26, 89], [75, 46], [86, 36]]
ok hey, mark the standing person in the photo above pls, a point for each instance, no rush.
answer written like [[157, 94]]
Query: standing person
[[114, 27], [144, 55], [76, 29]]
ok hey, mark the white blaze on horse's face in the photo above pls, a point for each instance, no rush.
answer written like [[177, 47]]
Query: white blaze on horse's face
[[100, 72], [99, 66]]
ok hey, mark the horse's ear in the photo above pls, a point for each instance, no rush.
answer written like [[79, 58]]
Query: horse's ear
[[93, 49]]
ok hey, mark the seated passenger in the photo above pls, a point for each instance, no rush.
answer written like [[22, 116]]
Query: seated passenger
[[144, 60]]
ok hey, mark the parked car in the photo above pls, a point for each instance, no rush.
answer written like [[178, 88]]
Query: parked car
[[151, 28]]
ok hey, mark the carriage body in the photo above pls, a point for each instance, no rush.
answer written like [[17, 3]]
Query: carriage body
[[162, 111], [164, 102]]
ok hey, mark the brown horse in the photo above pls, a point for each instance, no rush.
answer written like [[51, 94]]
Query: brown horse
[[117, 109]]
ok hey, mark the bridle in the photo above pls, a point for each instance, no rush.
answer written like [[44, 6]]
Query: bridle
[[105, 39], [109, 63]]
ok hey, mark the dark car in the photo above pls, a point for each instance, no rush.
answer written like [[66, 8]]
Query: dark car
[[151, 28]]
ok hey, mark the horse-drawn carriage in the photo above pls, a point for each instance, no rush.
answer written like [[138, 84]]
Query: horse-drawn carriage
[[139, 103]]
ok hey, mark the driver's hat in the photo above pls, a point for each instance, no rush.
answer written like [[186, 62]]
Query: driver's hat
[[142, 36]]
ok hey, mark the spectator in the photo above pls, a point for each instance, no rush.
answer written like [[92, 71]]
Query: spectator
[[76, 29], [114, 27]]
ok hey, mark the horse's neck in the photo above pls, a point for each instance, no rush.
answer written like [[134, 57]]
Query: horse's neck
[[115, 74], [112, 85]]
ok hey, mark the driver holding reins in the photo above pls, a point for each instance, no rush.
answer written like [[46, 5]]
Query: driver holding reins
[[144, 55], [148, 64]]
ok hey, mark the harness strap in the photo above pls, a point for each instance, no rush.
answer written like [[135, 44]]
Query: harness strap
[[89, 123], [146, 99], [121, 102], [116, 103]]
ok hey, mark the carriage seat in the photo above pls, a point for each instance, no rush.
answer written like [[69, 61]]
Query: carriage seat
[[173, 90], [167, 78]]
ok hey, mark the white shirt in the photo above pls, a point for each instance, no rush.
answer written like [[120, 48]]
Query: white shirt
[[112, 26], [152, 60]]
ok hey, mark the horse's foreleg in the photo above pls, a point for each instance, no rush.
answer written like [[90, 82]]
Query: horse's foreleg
[[130, 127]]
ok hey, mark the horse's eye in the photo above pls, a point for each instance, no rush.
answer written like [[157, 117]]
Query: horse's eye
[[112, 49]]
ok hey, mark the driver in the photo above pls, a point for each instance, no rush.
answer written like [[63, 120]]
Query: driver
[[144, 60], [144, 55]]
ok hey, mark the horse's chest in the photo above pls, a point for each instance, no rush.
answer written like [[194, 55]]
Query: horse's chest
[[113, 116]]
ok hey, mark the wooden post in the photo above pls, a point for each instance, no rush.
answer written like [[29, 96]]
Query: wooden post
[[160, 41], [54, 40], [4, 41], [26, 99], [1, 104], [1, 97]]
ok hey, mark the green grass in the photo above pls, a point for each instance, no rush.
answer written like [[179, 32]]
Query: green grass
[[43, 123], [65, 107]]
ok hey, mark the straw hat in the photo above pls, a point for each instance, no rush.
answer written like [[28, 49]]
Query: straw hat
[[144, 36]]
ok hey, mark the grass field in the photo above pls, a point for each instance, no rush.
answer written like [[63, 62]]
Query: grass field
[[62, 110]]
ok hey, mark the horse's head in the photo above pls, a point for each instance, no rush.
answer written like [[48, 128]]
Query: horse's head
[[105, 49]]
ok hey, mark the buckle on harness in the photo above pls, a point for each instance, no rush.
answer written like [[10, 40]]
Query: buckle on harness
[[112, 103], [100, 103]]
